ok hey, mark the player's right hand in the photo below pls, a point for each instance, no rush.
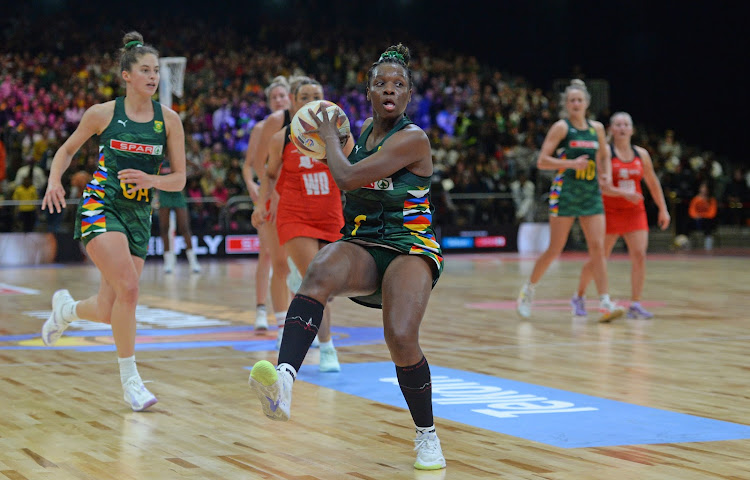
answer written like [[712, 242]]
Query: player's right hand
[[581, 163], [54, 197]]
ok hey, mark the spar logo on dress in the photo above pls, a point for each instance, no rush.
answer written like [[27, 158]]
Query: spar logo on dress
[[583, 144], [136, 147]]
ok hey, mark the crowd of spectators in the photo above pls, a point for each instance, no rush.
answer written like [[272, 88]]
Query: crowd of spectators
[[485, 125]]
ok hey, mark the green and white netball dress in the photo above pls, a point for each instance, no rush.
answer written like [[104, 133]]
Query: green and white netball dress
[[106, 205]]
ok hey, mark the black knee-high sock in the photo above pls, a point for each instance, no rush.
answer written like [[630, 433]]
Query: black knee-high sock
[[303, 318], [416, 385]]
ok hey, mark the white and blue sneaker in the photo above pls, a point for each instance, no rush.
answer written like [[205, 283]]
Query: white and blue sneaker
[[137, 395]]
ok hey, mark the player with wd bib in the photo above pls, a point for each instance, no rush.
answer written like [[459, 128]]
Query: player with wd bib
[[625, 210], [308, 215]]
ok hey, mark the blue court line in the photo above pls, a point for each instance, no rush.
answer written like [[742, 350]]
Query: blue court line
[[533, 412]]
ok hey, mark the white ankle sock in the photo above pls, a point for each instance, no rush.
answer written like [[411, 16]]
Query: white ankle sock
[[425, 430], [604, 298], [127, 369], [288, 368], [280, 318], [327, 345], [69, 312]]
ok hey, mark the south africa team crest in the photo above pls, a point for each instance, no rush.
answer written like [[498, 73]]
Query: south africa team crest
[[158, 126]]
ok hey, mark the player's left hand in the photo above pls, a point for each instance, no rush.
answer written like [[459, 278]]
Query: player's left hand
[[634, 197], [327, 126], [135, 179], [664, 219]]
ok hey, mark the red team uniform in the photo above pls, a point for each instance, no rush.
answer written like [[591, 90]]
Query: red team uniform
[[310, 203], [622, 215]]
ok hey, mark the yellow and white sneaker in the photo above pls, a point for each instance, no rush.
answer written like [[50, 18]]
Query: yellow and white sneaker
[[523, 302], [429, 454], [610, 311], [273, 388]]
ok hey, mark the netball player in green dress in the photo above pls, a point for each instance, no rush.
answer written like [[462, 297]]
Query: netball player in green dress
[[577, 148], [114, 215], [388, 257]]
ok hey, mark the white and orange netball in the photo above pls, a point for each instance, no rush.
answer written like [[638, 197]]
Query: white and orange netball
[[304, 128]]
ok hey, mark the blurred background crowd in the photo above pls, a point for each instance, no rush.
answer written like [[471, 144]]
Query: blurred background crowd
[[486, 125]]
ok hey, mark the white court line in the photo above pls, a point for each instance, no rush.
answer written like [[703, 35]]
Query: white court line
[[742, 338]]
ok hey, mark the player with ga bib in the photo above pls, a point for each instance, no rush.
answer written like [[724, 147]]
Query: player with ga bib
[[114, 215], [308, 215], [583, 168], [625, 211]]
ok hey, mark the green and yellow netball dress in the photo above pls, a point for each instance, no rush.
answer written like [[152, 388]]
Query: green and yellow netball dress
[[576, 193], [106, 205], [391, 216]]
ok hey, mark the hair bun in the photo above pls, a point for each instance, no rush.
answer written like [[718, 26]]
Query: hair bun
[[577, 82], [399, 51]]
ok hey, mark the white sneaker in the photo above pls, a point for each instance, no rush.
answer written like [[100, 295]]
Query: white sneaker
[[193, 260], [170, 259], [329, 360], [523, 302], [136, 394], [273, 388], [55, 325], [610, 311], [261, 320], [429, 454]]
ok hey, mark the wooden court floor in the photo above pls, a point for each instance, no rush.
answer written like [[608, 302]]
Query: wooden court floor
[[62, 415]]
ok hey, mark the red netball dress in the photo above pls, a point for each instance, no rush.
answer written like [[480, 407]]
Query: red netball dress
[[622, 215], [310, 203]]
